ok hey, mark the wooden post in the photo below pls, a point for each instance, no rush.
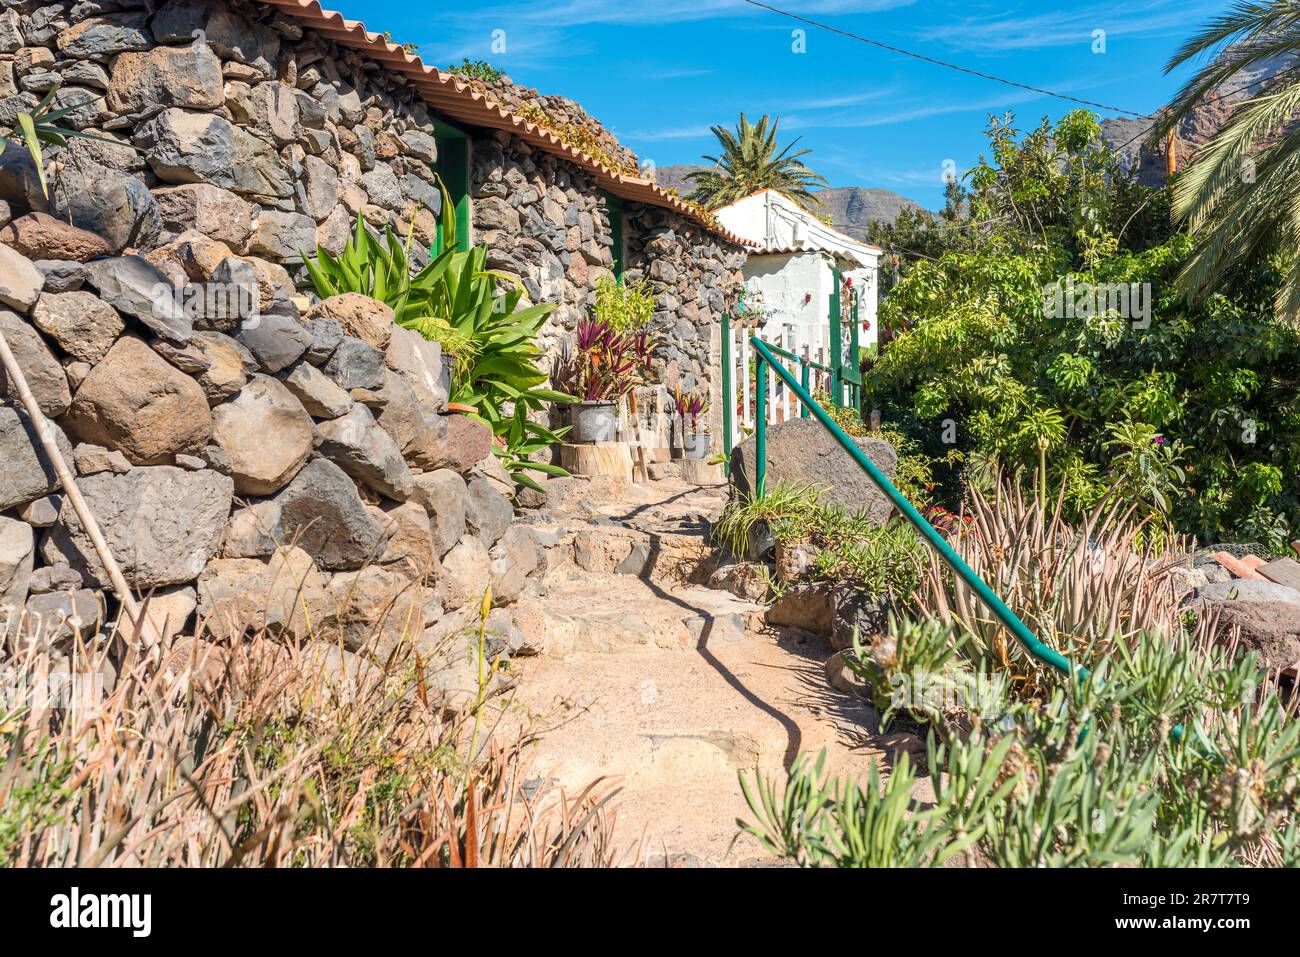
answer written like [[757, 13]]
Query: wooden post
[[45, 434], [1171, 153]]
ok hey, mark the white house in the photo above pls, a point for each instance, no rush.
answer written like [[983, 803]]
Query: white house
[[795, 269]]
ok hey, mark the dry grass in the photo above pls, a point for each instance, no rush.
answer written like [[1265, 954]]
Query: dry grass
[[267, 754]]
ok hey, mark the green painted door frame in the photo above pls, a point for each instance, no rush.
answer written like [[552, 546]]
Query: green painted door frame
[[614, 206], [453, 168]]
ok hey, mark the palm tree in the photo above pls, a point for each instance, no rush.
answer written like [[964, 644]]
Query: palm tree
[[1240, 198], [751, 161]]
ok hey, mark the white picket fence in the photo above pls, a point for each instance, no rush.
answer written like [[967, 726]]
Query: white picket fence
[[782, 404]]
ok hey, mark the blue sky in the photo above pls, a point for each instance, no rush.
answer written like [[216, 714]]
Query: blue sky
[[660, 72]]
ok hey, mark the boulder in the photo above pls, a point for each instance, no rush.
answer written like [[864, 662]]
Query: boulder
[[400, 414], [360, 317], [229, 365], [444, 496], [179, 76], [163, 525], [283, 236], [93, 459], [801, 452], [54, 619], [42, 512], [42, 236], [168, 610], [488, 513], [104, 36], [17, 555], [355, 365], [58, 577], [321, 512], [286, 595], [419, 362], [466, 573], [137, 403], [743, 579], [277, 342], [326, 334], [455, 441], [228, 32], [27, 474], [45, 377], [266, 433], [137, 288], [357, 444], [20, 281], [1248, 590], [515, 557], [253, 531], [858, 614], [83, 325], [410, 540], [20, 186], [61, 275], [185, 147], [107, 202], [810, 607], [316, 391], [375, 610], [210, 210], [1271, 629]]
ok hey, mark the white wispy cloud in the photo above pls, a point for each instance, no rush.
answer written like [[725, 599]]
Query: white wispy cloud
[[1014, 29]]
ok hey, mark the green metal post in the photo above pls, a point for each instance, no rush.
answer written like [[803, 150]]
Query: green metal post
[[855, 392], [805, 378], [728, 398], [927, 531], [837, 343], [760, 421]]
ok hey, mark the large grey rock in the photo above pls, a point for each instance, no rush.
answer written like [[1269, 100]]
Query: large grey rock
[[282, 236], [210, 210], [466, 573], [515, 557], [444, 495], [355, 365], [400, 413], [163, 525], [83, 325], [20, 186], [61, 275], [184, 76], [326, 334], [410, 539], [185, 147], [56, 618], [20, 281], [802, 452], [277, 342], [375, 610], [419, 362], [357, 444], [488, 513], [108, 202], [266, 433], [319, 395], [17, 554], [45, 377], [321, 512], [137, 288], [101, 37], [137, 403], [1249, 590], [27, 474]]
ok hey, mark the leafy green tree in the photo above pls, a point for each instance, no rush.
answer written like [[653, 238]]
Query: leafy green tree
[[752, 160], [1189, 410], [1240, 195]]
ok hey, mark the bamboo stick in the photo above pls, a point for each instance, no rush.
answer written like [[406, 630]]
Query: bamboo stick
[[45, 433]]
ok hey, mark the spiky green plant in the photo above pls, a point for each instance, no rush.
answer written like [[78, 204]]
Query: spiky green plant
[[41, 126]]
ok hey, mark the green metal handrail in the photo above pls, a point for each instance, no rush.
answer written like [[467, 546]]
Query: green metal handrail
[[927, 531]]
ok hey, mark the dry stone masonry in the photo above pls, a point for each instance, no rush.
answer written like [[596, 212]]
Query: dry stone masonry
[[251, 452]]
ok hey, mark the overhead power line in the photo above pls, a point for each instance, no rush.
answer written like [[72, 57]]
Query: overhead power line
[[944, 63]]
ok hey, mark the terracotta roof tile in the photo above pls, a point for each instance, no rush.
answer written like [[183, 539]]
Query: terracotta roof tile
[[451, 97]]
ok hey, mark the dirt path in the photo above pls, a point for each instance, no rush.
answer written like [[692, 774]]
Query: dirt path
[[674, 688]]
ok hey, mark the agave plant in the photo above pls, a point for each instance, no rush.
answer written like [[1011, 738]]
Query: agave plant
[[42, 126], [456, 300]]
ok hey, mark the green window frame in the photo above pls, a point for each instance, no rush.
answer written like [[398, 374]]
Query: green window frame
[[614, 207], [453, 169]]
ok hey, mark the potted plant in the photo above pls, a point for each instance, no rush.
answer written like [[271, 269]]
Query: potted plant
[[693, 434], [600, 368]]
